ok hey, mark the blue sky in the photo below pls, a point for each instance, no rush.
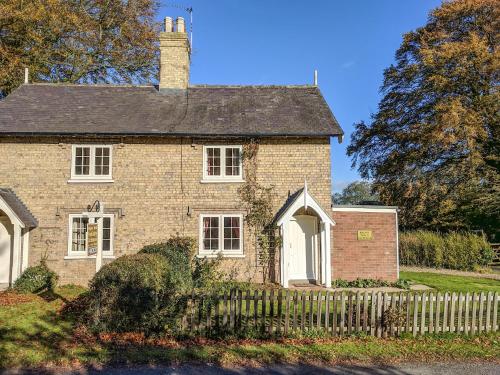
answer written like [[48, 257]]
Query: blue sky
[[282, 42]]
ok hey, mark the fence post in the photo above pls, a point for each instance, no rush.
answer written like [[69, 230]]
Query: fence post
[[460, 312], [422, 317], [379, 314], [438, 312], [327, 313], [408, 309], [495, 311], [452, 312], [342, 314], [349, 313], [334, 316], [264, 303], [287, 312], [247, 308], [474, 313], [311, 308], [385, 306], [271, 312], [445, 312], [365, 312], [319, 310], [392, 328], [488, 312], [415, 314], [255, 308], [373, 313], [481, 311], [303, 313], [232, 309], [295, 309], [240, 309], [358, 312], [280, 311], [466, 320], [431, 312]]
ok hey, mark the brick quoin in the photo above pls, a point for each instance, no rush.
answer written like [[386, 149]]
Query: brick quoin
[[376, 258]]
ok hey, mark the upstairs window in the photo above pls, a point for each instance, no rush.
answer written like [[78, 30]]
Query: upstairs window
[[91, 162], [221, 234], [222, 163]]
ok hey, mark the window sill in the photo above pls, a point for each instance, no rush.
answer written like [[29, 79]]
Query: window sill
[[221, 181], [73, 257], [223, 255], [90, 181]]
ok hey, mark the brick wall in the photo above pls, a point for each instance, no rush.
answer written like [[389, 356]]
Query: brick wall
[[353, 258], [155, 180]]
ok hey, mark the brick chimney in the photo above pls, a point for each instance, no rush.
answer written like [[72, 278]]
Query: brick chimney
[[175, 52]]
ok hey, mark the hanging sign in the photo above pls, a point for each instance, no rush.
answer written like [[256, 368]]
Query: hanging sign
[[365, 235], [92, 239]]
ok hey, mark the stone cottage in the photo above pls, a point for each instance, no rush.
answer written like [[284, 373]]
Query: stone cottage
[[93, 172]]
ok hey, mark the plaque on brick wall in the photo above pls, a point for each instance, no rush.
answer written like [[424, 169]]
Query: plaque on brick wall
[[91, 239], [365, 235]]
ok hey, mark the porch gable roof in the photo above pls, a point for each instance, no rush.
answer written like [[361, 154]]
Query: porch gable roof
[[301, 198], [18, 208]]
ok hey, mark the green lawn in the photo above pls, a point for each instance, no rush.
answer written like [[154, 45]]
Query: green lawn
[[452, 283], [33, 334]]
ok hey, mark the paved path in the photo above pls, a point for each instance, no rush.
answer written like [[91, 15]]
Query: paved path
[[442, 271], [409, 369]]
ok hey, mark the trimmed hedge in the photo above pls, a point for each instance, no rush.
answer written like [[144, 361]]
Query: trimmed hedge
[[454, 250], [139, 293], [36, 279]]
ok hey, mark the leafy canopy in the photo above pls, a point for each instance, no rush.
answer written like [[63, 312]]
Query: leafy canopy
[[432, 147], [89, 41], [354, 193]]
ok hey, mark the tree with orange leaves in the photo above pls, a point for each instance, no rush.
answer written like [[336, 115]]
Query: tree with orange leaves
[[432, 147], [78, 41]]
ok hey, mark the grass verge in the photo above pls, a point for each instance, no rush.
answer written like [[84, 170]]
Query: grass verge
[[452, 283], [32, 334]]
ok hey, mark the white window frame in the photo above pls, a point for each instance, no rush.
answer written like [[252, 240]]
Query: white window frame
[[91, 177], [84, 254], [223, 177], [236, 253]]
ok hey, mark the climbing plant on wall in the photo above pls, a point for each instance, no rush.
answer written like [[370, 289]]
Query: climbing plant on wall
[[258, 202]]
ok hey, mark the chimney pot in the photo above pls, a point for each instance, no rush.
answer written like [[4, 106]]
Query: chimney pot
[[168, 25], [181, 28]]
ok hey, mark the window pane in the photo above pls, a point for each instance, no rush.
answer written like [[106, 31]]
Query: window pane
[[82, 161], [78, 233], [102, 161], [211, 233], [213, 161], [232, 161], [232, 233]]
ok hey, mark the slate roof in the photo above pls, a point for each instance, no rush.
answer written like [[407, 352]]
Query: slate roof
[[63, 109], [19, 208]]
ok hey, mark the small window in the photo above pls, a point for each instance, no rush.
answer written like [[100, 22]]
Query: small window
[[221, 233], [77, 241], [91, 162], [222, 163]]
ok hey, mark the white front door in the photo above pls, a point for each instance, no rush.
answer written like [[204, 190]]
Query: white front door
[[5, 250], [302, 248]]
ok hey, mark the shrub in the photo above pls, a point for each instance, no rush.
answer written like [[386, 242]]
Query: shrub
[[369, 283], [454, 250], [36, 279], [140, 293], [178, 251]]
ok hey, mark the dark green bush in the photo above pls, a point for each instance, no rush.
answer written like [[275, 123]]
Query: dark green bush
[[178, 251], [140, 293], [454, 250], [369, 283], [36, 279]]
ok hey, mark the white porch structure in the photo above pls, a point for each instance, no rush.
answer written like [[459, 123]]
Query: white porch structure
[[15, 224], [297, 239]]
